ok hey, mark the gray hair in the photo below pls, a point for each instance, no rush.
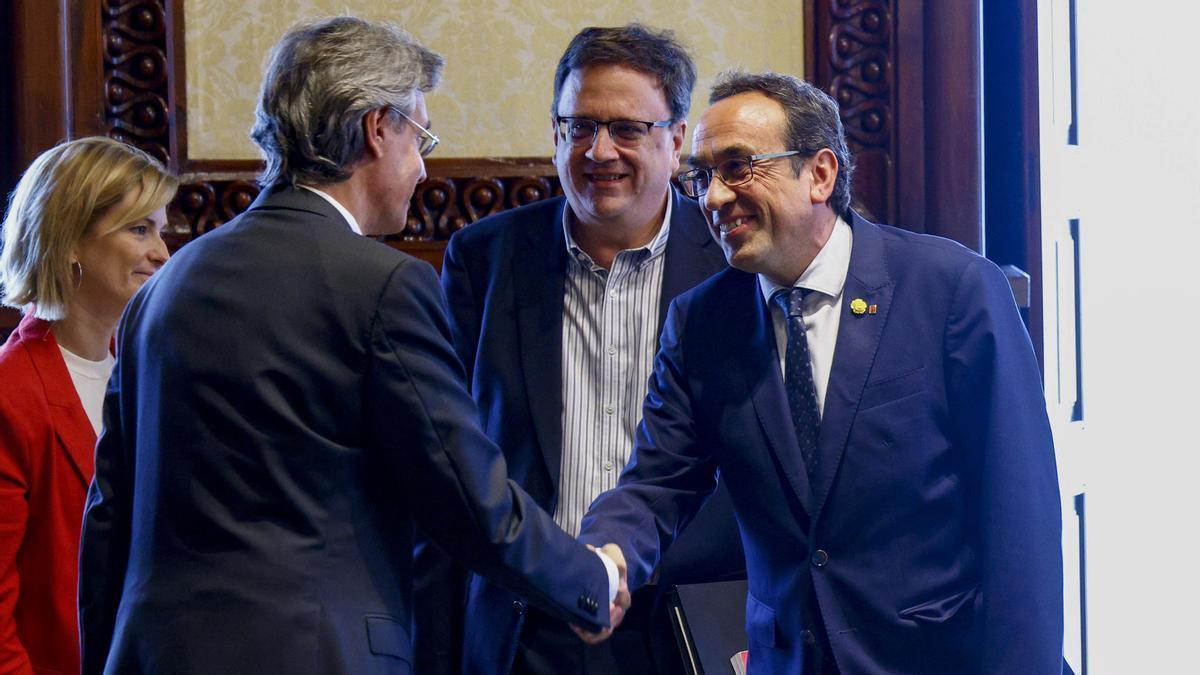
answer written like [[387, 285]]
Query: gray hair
[[654, 52], [322, 78], [813, 121]]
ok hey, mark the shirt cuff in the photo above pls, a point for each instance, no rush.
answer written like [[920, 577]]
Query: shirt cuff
[[614, 577]]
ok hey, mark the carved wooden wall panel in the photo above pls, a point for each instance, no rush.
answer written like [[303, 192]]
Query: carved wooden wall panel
[[207, 203], [856, 69], [137, 74], [441, 205], [907, 78]]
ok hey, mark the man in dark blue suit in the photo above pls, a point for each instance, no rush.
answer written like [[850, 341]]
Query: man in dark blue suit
[[872, 401], [286, 404], [556, 309]]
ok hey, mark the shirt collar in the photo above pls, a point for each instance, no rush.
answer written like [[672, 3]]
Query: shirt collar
[[826, 274], [654, 248], [337, 205], [92, 370]]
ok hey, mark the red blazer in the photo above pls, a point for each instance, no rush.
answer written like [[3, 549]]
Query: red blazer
[[46, 463]]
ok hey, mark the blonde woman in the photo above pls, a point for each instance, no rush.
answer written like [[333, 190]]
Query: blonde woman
[[82, 234]]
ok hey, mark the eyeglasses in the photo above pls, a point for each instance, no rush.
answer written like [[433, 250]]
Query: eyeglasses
[[733, 171], [428, 140], [581, 131]]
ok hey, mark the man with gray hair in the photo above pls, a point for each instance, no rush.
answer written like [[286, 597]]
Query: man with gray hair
[[872, 401], [286, 404]]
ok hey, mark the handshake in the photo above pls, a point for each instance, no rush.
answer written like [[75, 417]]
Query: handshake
[[620, 603]]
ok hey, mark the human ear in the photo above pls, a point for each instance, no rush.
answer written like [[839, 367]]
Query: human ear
[[824, 167], [678, 131], [375, 127]]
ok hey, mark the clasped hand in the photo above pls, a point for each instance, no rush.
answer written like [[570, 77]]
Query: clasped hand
[[619, 605]]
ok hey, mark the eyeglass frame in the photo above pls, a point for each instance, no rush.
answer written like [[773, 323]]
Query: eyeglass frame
[[429, 140], [559, 120], [712, 171]]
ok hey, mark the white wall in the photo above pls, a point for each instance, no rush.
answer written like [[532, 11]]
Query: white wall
[[1134, 182]]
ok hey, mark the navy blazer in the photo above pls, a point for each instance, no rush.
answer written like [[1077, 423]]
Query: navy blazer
[[504, 278], [285, 406], [929, 539]]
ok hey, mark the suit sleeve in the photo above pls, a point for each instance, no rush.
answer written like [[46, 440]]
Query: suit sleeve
[[439, 581], [422, 419], [999, 417], [105, 540], [669, 475], [14, 516]]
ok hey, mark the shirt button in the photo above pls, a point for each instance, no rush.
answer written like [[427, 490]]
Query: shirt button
[[612, 350], [807, 637], [610, 410], [820, 558], [608, 466]]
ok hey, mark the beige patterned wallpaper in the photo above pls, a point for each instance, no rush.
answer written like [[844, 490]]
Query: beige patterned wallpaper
[[495, 96]]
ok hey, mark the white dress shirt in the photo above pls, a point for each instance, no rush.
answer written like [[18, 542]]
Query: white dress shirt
[[826, 275], [337, 205]]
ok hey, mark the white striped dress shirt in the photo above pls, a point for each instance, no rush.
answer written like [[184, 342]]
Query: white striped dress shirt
[[609, 338]]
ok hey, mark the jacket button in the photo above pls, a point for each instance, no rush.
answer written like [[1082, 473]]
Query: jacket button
[[820, 558], [807, 637], [518, 607]]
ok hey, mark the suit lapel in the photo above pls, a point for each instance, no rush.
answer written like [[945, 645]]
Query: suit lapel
[[539, 270], [691, 255], [760, 368], [857, 343], [73, 428], [70, 422]]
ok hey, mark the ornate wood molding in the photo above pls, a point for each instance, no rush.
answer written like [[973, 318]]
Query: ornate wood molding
[[907, 77], [851, 58], [444, 204], [206, 201], [137, 74], [457, 192]]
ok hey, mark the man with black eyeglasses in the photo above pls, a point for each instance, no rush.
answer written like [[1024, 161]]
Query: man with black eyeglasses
[[556, 309], [871, 400]]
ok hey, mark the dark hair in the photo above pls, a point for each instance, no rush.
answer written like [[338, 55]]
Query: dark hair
[[321, 78], [654, 52], [813, 121]]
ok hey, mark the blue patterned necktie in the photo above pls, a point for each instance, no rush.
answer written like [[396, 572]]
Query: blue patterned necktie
[[798, 378]]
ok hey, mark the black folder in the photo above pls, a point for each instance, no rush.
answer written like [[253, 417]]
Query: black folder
[[710, 625]]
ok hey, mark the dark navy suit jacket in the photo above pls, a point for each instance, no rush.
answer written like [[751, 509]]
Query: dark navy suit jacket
[[504, 278], [286, 405], [929, 538]]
